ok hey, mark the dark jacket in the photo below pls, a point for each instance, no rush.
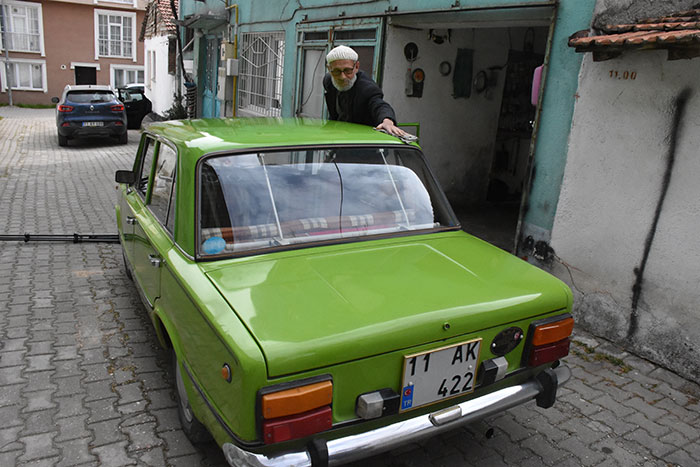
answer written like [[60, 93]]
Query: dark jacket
[[368, 106]]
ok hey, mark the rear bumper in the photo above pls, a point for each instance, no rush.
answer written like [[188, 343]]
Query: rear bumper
[[351, 448], [76, 130]]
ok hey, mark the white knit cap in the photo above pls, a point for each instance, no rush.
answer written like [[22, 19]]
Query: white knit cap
[[342, 52]]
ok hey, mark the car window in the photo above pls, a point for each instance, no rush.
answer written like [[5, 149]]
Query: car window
[[90, 97], [251, 201], [163, 183], [144, 171]]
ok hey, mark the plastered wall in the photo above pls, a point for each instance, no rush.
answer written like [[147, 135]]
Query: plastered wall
[[628, 214]]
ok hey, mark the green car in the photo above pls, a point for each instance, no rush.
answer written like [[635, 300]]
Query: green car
[[321, 302]]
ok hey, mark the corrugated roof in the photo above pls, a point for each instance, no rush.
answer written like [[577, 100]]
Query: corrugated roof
[[678, 33]]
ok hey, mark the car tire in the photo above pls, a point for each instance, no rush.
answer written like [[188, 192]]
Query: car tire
[[123, 139], [62, 140], [193, 428]]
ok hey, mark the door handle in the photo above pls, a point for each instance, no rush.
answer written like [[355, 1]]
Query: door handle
[[155, 260], [131, 220]]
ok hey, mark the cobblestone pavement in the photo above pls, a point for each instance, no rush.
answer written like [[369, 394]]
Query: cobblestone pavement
[[83, 382]]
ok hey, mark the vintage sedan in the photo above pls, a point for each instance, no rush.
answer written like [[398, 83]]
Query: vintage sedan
[[320, 299]]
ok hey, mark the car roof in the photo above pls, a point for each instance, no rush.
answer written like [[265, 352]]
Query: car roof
[[210, 135], [88, 87]]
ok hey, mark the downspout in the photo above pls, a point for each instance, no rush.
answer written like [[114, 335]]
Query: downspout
[[235, 55], [7, 55]]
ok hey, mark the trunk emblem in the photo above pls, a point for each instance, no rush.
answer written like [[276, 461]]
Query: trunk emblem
[[92, 107], [506, 340]]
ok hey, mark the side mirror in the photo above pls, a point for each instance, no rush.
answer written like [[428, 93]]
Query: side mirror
[[54, 100], [124, 176]]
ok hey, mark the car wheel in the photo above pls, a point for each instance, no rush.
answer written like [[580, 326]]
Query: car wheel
[[123, 139], [126, 267], [62, 140], [193, 428]]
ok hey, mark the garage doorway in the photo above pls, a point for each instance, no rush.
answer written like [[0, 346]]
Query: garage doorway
[[477, 122]]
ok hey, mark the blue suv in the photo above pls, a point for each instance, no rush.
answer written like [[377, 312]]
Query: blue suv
[[89, 110]]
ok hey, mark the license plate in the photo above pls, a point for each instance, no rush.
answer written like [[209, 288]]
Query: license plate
[[93, 123], [439, 374]]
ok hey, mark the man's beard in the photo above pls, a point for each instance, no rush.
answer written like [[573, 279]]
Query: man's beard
[[347, 86]]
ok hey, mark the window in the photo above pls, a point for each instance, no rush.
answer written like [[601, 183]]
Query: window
[[24, 75], [163, 183], [260, 74], [24, 27], [115, 34], [123, 75], [251, 201], [146, 163]]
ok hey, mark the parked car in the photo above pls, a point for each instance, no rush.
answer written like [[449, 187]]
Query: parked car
[[89, 110], [136, 103], [319, 298]]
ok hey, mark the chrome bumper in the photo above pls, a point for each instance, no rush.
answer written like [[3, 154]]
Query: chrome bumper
[[370, 443]]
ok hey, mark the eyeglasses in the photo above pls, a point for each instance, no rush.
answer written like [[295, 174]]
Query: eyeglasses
[[337, 71]]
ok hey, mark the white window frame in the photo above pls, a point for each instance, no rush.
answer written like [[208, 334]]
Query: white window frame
[[85, 65], [120, 2], [29, 61], [8, 4], [132, 15], [260, 84], [114, 67]]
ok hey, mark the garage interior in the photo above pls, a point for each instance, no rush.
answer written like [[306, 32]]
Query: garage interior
[[466, 78]]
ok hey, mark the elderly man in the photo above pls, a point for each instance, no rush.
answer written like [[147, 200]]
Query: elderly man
[[351, 96]]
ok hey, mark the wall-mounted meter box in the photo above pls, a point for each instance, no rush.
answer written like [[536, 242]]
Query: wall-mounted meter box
[[231, 67], [227, 50]]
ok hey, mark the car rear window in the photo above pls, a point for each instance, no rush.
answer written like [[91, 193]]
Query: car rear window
[[90, 97], [261, 200]]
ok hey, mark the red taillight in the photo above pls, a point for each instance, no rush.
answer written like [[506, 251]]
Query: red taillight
[[549, 339], [65, 124], [65, 108], [297, 411], [117, 108], [119, 123], [549, 353], [297, 426]]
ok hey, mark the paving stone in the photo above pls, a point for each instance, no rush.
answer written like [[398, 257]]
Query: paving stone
[[38, 446], [114, 455]]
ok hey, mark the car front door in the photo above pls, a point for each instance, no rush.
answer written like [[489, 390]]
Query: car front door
[[153, 229]]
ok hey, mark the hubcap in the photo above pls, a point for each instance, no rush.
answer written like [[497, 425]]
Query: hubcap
[[184, 402]]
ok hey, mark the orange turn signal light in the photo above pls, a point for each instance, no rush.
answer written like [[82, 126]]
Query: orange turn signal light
[[553, 332], [297, 400]]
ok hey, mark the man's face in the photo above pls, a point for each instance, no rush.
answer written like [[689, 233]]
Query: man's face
[[343, 73]]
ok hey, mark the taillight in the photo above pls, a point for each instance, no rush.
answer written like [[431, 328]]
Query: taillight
[[117, 108], [65, 108], [548, 340], [296, 412]]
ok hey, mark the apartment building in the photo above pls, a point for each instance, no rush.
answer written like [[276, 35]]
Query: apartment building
[[50, 43]]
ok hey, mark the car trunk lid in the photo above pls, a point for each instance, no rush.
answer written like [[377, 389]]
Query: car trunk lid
[[314, 308]]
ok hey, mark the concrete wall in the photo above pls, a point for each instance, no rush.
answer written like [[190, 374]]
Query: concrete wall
[[620, 148], [160, 90]]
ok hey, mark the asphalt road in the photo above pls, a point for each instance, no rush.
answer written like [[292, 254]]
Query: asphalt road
[[83, 381]]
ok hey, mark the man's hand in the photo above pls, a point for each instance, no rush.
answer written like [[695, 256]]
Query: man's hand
[[388, 126]]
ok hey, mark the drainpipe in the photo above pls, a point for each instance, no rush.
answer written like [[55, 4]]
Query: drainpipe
[[235, 54], [7, 54]]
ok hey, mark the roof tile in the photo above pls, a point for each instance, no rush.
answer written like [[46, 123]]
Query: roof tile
[[675, 31]]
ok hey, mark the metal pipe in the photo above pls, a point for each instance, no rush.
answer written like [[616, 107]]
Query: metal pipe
[[7, 56], [74, 238]]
